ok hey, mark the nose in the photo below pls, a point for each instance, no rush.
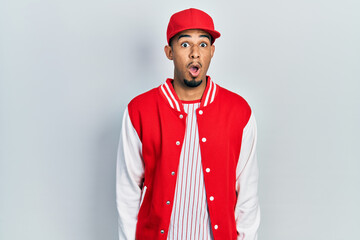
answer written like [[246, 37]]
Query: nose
[[195, 53]]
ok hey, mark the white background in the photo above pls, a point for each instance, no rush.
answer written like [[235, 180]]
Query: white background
[[68, 69]]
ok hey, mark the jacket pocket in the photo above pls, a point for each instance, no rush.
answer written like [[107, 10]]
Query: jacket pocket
[[143, 195]]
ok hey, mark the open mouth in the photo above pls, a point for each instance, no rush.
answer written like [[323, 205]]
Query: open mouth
[[194, 70]]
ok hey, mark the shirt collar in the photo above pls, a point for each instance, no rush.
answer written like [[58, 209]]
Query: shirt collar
[[169, 94]]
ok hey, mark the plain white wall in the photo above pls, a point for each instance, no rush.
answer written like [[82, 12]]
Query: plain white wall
[[68, 69]]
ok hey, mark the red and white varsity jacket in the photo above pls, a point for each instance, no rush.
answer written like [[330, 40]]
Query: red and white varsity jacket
[[148, 157]]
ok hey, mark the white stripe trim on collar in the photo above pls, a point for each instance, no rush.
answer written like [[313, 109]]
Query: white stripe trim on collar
[[208, 94], [213, 93], [163, 90], [173, 98]]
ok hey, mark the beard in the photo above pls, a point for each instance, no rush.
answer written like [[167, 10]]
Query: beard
[[192, 83]]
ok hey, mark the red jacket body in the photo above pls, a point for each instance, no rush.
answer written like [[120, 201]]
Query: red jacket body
[[160, 126]]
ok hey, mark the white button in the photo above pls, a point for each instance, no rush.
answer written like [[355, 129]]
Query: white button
[[203, 139], [216, 226], [181, 116], [162, 231], [173, 173], [200, 112], [207, 169], [211, 198], [178, 143], [168, 202]]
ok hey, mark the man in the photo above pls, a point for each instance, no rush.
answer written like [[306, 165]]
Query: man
[[186, 165]]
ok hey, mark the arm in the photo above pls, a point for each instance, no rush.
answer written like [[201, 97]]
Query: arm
[[247, 211], [129, 177]]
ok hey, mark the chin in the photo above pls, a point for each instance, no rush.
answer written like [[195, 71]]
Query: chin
[[193, 83]]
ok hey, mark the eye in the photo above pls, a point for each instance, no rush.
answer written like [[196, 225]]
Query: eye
[[203, 44], [185, 44]]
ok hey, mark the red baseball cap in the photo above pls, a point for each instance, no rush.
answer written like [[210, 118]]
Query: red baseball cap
[[191, 18]]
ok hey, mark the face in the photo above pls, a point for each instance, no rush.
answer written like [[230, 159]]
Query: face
[[191, 52]]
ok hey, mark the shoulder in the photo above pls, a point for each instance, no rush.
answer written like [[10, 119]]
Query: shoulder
[[143, 107], [233, 99], [233, 105], [144, 99]]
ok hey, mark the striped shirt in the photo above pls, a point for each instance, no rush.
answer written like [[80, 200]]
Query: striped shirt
[[190, 216]]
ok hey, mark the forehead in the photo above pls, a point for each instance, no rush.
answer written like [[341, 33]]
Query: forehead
[[193, 33]]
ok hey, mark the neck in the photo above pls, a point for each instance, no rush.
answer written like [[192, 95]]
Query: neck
[[186, 93]]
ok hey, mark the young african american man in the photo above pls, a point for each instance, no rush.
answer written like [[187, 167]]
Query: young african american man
[[186, 165]]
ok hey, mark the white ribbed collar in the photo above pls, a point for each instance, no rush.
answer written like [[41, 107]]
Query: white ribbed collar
[[169, 94]]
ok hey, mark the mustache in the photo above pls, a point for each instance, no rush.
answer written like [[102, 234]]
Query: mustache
[[194, 63]]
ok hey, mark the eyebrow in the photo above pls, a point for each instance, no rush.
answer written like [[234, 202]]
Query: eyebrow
[[185, 35]]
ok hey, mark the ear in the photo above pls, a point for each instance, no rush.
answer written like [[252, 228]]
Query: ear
[[169, 52], [212, 50]]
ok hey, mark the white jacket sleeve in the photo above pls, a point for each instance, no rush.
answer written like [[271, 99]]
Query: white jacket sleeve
[[247, 210], [129, 177]]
